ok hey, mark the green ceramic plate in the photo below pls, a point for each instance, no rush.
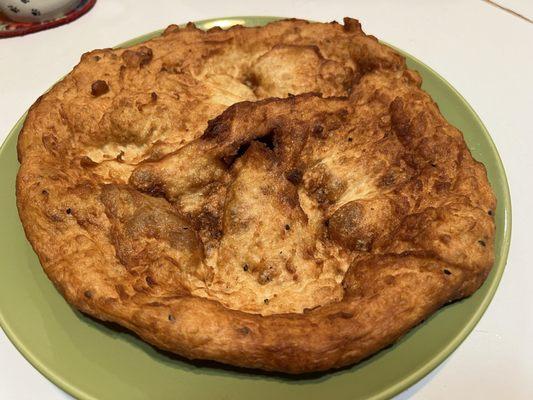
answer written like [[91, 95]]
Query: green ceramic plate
[[92, 361]]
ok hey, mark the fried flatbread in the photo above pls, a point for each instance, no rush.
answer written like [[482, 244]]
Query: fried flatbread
[[284, 197]]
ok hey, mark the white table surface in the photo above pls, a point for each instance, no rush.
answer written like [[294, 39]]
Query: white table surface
[[486, 54]]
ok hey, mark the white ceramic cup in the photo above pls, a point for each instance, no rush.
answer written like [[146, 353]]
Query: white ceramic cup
[[36, 10]]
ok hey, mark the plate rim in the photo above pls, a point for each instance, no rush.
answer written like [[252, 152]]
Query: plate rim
[[402, 384]]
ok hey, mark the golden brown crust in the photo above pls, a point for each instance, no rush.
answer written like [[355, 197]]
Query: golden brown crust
[[290, 234]]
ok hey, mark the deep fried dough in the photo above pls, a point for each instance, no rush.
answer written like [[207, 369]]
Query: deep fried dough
[[291, 234]]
